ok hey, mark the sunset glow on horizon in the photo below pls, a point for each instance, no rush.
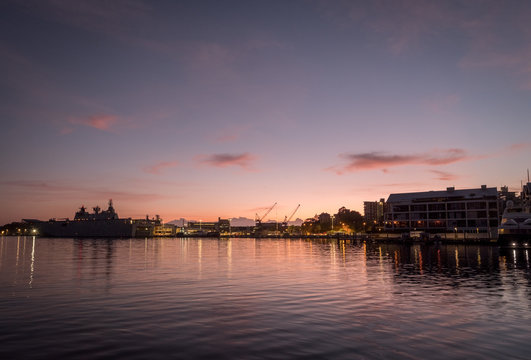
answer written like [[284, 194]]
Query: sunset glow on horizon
[[207, 109]]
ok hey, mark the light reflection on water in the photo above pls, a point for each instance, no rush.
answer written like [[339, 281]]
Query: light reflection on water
[[261, 298]]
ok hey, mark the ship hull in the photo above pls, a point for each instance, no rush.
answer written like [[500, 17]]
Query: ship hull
[[515, 238], [104, 228]]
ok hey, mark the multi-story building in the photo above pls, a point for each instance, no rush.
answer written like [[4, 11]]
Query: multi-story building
[[470, 210], [373, 211], [220, 226], [164, 230]]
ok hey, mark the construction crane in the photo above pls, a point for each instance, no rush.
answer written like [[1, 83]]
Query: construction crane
[[288, 219], [259, 219]]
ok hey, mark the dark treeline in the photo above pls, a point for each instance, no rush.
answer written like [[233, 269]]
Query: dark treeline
[[345, 220]]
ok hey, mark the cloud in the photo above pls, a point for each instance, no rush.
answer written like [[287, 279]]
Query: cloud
[[114, 18], [500, 38], [402, 23], [519, 147], [441, 103], [66, 131], [223, 160], [381, 161], [100, 122], [444, 176], [231, 133], [227, 137], [158, 168], [52, 190], [492, 34]]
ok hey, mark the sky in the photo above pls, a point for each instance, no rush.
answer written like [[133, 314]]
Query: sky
[[207, 109]]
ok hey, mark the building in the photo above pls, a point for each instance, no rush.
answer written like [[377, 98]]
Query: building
[[467, 210], [202, 226], [164, 230], [222, 226], [373, 211]]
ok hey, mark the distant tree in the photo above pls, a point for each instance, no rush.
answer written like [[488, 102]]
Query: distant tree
[[311, 226], [325, 222], [352, 219]]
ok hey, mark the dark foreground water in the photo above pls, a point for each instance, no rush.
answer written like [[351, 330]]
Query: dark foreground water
[[267, 298]]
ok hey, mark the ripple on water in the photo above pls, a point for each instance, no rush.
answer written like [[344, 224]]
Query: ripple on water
[[261, 299]]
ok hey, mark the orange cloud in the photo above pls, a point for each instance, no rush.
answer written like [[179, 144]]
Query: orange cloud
[[223, 160], [158, 168], [100, 122], [376, 160]]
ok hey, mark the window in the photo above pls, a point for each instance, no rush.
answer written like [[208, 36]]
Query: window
[[456, 206], [476, 205], [436, 207]]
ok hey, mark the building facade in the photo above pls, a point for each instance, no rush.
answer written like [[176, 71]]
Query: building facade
[[373, 211], [467, 210]]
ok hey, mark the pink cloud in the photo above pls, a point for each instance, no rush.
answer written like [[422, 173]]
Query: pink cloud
[[66, 130], [519, 147], [231, 133], [376, 160], [223, 160], [158, 168], [100, 122], [227, 137], [443, 175]]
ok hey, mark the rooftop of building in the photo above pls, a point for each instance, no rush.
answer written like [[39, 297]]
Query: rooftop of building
[[450, 194]]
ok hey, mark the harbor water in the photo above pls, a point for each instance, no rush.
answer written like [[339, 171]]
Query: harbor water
[[261, 299]]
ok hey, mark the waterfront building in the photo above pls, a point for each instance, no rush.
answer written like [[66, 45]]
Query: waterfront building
[[202, 226], [164, 230], [466, 210], [373, 211], [222, 226]]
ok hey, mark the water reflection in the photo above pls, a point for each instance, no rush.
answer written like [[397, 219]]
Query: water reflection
[[99, 256], [244, 298], [32, 261]]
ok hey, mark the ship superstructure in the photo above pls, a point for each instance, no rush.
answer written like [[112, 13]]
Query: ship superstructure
[[99, 223]]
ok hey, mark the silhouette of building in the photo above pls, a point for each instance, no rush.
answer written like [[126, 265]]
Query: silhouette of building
[[468, 210], [373, 211]]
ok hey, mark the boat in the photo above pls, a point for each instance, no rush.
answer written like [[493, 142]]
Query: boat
[[515, 225], [101, 224]]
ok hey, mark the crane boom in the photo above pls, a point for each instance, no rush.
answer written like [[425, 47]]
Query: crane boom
[[293, 213], [287, 219], [267, 212]]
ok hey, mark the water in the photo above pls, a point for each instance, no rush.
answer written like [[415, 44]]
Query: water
[[261, 299]]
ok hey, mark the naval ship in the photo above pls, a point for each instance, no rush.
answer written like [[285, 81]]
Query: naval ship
[[100, 223]]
